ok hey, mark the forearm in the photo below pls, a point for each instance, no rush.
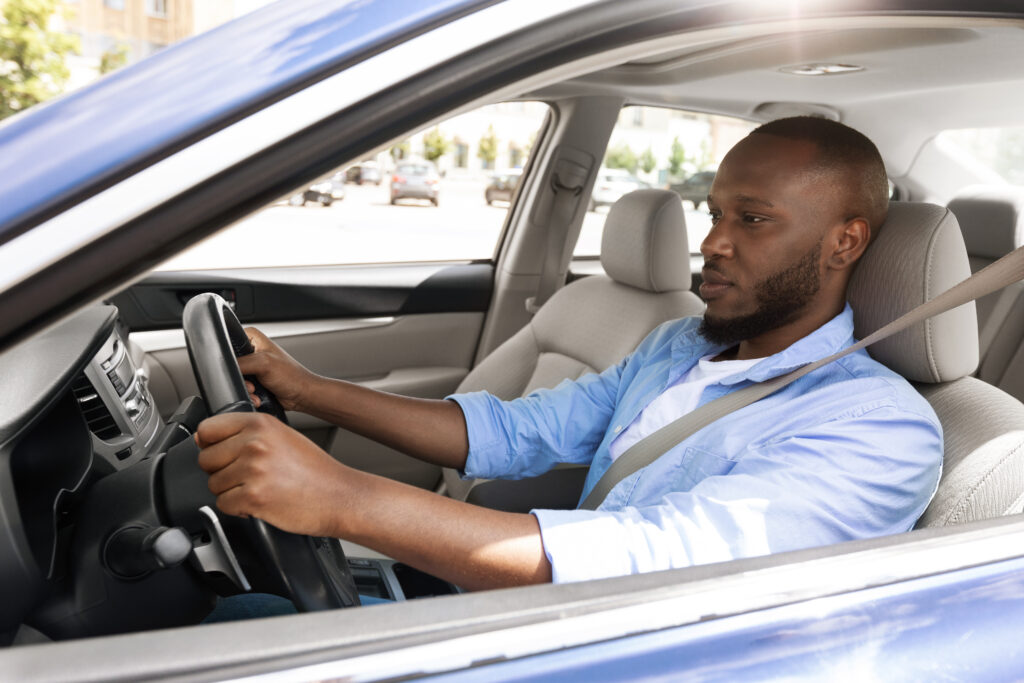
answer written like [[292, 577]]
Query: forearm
[[473, 547], [428, 429]]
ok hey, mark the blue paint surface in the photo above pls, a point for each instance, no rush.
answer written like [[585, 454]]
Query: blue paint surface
[[961, 626]]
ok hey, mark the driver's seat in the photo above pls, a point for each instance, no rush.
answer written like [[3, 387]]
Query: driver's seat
[[920, 253]]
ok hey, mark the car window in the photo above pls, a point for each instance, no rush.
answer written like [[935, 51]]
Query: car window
[[997, 151], [413, 170], [662, 148], [428, 197]]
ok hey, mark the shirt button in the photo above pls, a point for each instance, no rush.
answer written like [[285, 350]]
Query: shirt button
[[618, 429]]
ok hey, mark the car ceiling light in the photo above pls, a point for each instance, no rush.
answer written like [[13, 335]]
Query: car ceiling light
[[820, 69]]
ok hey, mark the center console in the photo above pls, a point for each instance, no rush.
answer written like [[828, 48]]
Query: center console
[[117, 405], [390, 580]]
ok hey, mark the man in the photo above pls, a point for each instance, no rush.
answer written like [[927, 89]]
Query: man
[[849, 451]]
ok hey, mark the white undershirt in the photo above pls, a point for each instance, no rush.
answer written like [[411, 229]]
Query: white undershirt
[[677, 400]]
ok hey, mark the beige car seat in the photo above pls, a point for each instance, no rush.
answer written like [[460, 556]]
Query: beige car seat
[[592, 323], [992, 221], [920, 253]]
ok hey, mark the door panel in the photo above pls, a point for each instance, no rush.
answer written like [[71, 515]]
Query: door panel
[[416, 334], [276, 294]]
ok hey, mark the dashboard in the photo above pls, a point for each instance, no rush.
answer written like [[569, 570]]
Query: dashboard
[[107, 524], [73, 410]]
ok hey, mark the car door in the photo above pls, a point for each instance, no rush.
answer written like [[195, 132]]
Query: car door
[[392, 296]]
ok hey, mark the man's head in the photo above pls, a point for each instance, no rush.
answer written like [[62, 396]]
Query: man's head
[[793, 205]]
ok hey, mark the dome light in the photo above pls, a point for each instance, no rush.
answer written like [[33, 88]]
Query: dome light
[[818, 69]]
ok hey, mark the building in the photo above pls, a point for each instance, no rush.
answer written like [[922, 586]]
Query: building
[[133, 28]]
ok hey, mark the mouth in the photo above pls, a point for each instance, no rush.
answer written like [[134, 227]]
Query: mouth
[[714, 284]]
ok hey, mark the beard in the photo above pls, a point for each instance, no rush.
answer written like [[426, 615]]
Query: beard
[[781, 297]]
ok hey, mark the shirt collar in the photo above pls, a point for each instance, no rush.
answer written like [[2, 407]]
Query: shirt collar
[[831, 337]]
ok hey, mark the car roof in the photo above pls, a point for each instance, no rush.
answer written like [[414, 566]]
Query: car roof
[[903, 96]]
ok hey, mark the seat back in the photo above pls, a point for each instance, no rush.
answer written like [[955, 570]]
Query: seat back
[[918, 254], [594, 322], [992, 221]]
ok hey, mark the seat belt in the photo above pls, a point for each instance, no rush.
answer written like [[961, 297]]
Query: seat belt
[[567, 183], [1006, 271]]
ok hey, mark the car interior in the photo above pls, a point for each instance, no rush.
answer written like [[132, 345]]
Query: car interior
[[432, 328]]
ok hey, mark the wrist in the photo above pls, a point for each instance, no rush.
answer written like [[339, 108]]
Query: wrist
[[305, 400], [347, 503]]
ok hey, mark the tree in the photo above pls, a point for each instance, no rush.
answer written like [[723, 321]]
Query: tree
[[705, 159], [487, 149], [621, 156], [676, 159], [32, 57], [401, 150], [114, 58], [647, 161], [435, 144]]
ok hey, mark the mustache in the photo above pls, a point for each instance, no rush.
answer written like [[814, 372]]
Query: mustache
[[711, 265]]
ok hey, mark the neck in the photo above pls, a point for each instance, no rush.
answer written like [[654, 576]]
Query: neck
[[774, 341]]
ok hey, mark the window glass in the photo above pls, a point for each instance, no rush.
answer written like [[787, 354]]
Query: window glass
[[665, 148], [156, 8], [997, 152], [427, 198]]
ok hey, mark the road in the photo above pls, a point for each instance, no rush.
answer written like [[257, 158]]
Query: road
[[366, 228]]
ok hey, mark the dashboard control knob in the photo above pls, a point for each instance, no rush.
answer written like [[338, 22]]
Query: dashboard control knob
[[134, 551]]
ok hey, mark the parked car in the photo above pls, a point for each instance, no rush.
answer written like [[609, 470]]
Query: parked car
[[364, 172], [612, 184], [415, 180], [696, 188], [324, 193], [101, 577], [502, 186]]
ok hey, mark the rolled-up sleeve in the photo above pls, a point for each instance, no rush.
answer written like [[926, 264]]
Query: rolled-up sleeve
[[530, 435], [861, 476]]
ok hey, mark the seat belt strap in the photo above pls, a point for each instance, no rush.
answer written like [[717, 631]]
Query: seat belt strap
[[566, 183], [1001, 273]]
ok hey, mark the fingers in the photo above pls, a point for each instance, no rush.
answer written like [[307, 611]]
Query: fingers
[[259, 340], [253, 398], [253, 364], [235, 502], [219, 427]]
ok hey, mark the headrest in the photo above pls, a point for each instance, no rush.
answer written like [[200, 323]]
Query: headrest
[[992, 219], [918, 254], [644, 243]]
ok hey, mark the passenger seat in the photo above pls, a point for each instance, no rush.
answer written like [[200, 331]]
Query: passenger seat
[[587, 326], [992, 221]]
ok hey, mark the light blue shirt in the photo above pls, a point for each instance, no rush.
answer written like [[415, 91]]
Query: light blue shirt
[[849, 451]]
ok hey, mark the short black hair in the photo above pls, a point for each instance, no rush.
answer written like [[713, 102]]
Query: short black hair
[[846, 153]]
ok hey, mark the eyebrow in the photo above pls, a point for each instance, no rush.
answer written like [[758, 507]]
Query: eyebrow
[[748, 199]]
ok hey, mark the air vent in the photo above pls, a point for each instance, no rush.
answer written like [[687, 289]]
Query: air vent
[[100, 421]]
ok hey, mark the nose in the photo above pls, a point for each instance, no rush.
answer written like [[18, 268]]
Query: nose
[[717, 242]]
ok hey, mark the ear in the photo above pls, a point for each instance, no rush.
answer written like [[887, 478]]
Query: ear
[[848, 242]]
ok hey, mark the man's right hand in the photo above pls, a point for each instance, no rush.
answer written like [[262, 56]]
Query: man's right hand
[[281, 374]]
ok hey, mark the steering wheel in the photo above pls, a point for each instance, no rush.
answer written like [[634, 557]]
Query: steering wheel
[[312, 571]]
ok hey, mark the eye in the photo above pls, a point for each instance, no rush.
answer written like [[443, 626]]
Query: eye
[[715, 215], [751, 218]]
